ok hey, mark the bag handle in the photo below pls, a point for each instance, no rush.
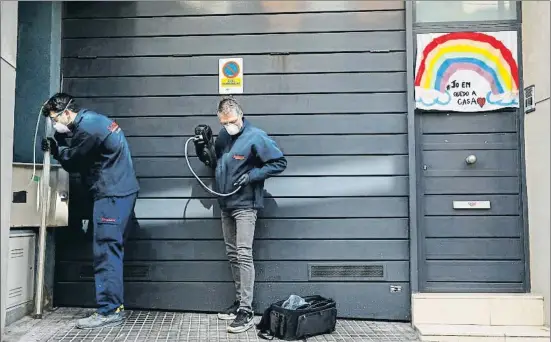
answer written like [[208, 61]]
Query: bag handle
[[319, 304], [265, 335]]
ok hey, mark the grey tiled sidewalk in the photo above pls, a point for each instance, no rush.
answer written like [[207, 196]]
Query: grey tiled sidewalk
[[152, 326]]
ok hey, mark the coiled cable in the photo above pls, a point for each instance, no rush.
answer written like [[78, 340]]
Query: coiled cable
[[199, 180]]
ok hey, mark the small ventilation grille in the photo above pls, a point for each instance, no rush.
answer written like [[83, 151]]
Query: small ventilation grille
[[529, 99], [133, 272], [15, 292], [17, 253], [346, 271]]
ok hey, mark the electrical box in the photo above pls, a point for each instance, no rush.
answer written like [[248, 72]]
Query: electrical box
[[26, 206], [21, 265]]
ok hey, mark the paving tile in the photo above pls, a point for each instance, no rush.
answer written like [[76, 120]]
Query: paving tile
[[155, 326]]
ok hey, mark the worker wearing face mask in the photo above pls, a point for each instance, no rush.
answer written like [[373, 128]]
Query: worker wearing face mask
[[98, 150], [245, 156]]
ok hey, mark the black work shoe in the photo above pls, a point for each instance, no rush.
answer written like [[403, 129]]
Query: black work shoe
[[230, 312], [242, 322]]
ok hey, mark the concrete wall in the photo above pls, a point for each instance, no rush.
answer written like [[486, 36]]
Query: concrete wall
[[536, 59], [8, 19]]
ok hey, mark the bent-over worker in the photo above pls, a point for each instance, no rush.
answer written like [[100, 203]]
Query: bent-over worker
[[98, 150]]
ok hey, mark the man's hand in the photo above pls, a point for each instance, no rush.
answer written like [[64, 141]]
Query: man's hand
[[198, 139], [242, 181], [61, 139], [49, 144]]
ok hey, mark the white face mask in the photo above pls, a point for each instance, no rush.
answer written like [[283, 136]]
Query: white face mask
[[61, 128], [232, 129]]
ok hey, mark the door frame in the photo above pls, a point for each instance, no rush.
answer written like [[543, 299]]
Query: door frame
[[416, 233]]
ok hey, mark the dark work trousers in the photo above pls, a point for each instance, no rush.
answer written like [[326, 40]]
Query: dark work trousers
[[113, 219]]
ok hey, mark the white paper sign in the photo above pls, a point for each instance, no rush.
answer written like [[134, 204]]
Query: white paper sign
[[230, 76], [467, 71]]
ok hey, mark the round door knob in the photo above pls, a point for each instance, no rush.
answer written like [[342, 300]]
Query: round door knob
[[470, 159]]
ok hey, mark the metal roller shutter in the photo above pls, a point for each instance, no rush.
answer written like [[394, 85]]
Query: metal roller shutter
[[326, 79]]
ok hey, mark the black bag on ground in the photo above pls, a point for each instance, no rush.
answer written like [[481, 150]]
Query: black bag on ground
[[317, 317]]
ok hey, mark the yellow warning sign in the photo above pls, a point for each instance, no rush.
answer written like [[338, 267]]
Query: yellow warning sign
[[230, 76], [231, 82]]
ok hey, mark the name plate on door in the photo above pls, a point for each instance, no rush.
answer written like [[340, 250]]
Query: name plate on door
[[471, 204]]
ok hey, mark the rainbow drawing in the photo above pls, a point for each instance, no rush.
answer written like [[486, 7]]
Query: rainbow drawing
[[450, 54]]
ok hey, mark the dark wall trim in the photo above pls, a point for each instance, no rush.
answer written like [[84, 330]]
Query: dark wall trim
[[522, 150], [456, 27], [55, 67], [412, 152]]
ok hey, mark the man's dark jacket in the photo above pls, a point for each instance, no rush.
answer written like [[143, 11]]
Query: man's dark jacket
[[250, 151], [98, 150]]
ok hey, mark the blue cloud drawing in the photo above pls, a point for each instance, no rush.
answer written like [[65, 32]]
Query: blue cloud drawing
[[501, 102], [434, 98]]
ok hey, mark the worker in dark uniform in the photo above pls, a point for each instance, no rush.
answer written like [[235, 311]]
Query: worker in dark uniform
[[98, 150], [245, 156]]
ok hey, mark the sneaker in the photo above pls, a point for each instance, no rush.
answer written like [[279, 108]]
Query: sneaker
[[97, 320], [230, 312], [242, 322]]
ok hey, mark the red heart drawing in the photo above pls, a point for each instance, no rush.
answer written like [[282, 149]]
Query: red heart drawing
[[481, 101]]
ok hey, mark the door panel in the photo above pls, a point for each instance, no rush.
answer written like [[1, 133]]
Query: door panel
[[471, 226]]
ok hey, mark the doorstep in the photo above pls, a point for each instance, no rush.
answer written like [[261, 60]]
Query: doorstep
[[482, 333]]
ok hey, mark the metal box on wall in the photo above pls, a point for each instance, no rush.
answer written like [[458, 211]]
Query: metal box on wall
[[26, 207], [21, 267]]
